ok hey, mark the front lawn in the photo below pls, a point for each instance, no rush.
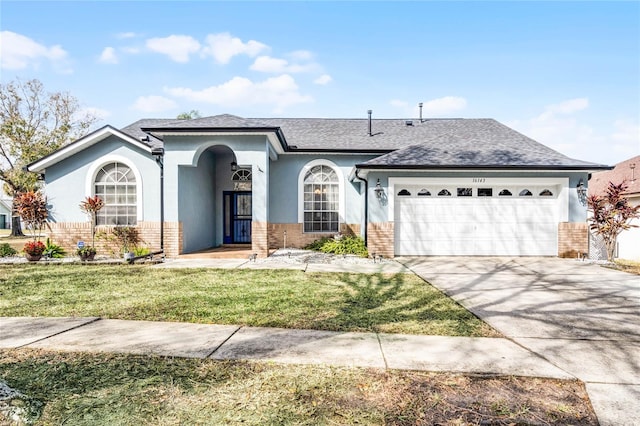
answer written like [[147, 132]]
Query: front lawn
[[400, 303], [111, 389]]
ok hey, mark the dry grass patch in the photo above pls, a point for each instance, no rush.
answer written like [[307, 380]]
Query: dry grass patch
[[102, 389], [628, 266]]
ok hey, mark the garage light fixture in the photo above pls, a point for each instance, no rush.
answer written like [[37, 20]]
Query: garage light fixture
[[379, 191], [234, 166], [582, 192]]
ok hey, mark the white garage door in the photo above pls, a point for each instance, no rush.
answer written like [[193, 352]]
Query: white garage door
[[476, 220]]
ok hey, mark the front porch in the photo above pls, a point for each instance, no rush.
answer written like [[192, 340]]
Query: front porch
[[230, 251]]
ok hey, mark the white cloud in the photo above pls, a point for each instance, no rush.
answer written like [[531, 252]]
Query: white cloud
[[108, 56], [177, 47], [323, 79], [131, 50], [279, 66], [280, 92], [566, 107], [100, 113], [397, 103], [126, 35], [153, 104], [626, 138], [223, 47], [443, 106], [558, 128], [301, 55], [20, 52]]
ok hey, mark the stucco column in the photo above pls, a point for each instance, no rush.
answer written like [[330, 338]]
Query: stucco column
[[259, 161]]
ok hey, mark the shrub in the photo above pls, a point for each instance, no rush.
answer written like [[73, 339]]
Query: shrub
[[343, 245], [53, 250], [141, 251], [6, 250], [125, 238], [86, 251]]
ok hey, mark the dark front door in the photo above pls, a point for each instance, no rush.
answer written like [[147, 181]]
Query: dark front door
[[237, 217]]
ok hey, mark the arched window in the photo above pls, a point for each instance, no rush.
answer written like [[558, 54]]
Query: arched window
[[525, 193], [505, 193], [404, 193], [424, 192], [321, 199], [115, 183], [444, 193], [546, 193], [241, 179]]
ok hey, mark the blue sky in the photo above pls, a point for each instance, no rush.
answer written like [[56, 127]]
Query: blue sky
[[564, 73]]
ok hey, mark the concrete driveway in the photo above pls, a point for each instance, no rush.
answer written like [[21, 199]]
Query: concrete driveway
[[582, 317]]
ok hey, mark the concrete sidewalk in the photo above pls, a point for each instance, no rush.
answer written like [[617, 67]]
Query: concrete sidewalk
[[363, 267], [229, 342]]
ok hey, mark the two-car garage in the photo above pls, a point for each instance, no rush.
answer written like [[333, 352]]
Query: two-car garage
[[481, 216]]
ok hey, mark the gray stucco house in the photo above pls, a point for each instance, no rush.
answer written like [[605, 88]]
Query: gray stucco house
[[409, 187]]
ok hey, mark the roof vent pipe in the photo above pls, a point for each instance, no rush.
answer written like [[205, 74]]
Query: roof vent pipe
[[420, 106], [369, 112]]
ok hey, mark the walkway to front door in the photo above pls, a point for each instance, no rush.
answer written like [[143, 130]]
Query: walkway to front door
[[237, 217]]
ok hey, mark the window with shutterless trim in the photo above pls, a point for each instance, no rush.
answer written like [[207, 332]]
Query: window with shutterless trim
[[321, 203], [115, 183]]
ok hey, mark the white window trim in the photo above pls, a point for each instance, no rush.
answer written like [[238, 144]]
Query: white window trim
[[95, 167], [341, 197]]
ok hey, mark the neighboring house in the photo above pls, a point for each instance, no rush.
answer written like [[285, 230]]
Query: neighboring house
[[5, 214], [629, 171], [409, 187]]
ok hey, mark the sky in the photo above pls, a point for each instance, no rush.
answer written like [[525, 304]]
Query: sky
[[566, 74]]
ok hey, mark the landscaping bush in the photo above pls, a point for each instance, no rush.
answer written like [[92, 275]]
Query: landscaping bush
[[6, 250], [53, 250], [341, 245], [141, 251]]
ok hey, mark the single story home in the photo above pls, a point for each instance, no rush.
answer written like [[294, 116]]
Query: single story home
[[629, 240], [408, 187], [5, 213]]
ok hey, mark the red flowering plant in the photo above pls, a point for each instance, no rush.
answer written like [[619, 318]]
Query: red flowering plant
[[34, 248]]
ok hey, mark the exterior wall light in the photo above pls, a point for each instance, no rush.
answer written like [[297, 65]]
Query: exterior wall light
[[582, 193], [379, 191], [234, 166]]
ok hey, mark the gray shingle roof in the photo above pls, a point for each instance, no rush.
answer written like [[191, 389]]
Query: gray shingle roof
[[221, 121], [431, 143], [135, 130]]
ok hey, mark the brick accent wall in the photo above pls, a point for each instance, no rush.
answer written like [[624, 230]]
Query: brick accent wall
[[298, 239], [260, 238], [381, 238], [573, 238], [68, 234]]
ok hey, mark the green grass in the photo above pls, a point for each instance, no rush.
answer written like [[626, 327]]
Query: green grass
[[400, 303], [109, 389]]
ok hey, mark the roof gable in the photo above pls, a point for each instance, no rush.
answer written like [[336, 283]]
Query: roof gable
[[82, 144]]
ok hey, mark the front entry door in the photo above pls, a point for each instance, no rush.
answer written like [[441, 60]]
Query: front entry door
[[237, 217]]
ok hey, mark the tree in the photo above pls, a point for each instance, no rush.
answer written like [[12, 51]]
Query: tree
[[189, 115], [33, 124], [611, 214]]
